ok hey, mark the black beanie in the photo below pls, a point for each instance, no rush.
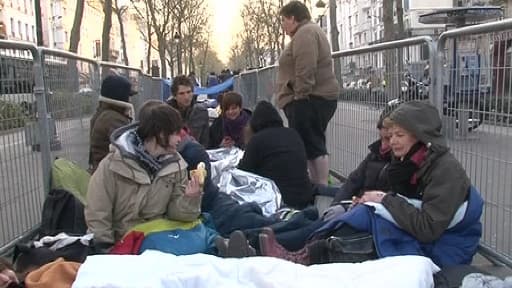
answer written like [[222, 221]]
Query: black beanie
[[117, 87], [265, 116]]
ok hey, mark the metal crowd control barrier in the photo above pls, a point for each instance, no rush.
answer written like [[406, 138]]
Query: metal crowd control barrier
[[371, 77], [474, 93], [468, 77], [72, 90], [47, 98], [24, 172]]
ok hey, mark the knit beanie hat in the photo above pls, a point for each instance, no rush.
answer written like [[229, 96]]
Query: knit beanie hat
[[57, 274], [117, 87]]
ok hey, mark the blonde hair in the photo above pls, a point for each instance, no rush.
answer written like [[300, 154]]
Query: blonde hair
[[388, 123]]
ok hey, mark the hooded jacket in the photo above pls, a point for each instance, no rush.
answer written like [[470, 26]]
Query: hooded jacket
[[196, 119], [369, 175], [442, 181], [123, 194], [306, 67], [278, 153], [110, 115]]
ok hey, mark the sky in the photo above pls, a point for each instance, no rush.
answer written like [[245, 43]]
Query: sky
[[226, 23]]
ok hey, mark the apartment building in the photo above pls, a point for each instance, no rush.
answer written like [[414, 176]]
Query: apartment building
[[17, 21]]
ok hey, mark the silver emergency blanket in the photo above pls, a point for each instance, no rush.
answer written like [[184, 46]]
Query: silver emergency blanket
[[248, 187], [241, 185], [222, 160]]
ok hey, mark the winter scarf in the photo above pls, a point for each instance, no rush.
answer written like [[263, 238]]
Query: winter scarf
[[402, 172], [235, 128]]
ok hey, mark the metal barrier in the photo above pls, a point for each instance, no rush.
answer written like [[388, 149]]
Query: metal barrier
[[23, 172], [468, 78], [47, 98], [372, 76], [474, 92]]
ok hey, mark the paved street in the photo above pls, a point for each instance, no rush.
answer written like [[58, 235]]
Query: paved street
[[485, 153]]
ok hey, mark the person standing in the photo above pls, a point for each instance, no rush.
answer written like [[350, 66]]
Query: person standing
[[307, 88]]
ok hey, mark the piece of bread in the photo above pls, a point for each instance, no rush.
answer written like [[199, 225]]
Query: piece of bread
[[200, 173]]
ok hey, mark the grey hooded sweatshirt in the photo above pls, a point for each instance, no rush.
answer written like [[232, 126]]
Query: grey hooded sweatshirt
[[442, 181]]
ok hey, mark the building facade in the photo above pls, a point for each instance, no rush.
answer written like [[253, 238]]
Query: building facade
[[17, 21]]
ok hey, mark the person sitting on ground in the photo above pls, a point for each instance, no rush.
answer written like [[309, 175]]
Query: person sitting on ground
[[430, 210], [277, 152], [228, 129], [114, 111], [369, 174], [142, 178], [195, 115]]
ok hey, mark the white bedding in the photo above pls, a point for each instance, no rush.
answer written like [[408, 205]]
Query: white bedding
[[156, 269]]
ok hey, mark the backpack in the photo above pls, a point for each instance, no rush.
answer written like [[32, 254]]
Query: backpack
[[62, 212], [63, 208]]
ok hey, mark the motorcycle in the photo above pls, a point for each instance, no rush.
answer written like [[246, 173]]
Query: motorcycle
[[413, 89]]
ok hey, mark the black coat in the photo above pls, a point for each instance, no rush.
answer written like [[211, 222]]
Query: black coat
[[369, 175], [278, 153]]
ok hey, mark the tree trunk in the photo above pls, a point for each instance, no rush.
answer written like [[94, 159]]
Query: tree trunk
[[389, 55], [105, 36], [400, 19], [119, 14], [161, 52], [148, 59], [400, 34], [74, 38], [334, 38]]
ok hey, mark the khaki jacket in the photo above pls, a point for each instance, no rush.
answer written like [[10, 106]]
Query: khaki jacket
[[306, 67], [121, 195]]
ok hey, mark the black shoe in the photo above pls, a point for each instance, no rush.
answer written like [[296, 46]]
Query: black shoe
[[238, 246], [221, 244]]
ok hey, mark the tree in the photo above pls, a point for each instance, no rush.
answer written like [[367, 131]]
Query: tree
[[261, 37], [157, 15], [74, 38], [105, 36], [120, 11]]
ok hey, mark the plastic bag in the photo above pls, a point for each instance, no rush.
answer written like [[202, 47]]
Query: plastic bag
[[222, 160], [248, 187]]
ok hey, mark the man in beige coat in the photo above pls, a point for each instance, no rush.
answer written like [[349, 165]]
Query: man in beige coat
[[142, 178], [307, 88]]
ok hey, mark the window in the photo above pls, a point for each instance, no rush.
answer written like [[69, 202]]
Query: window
[[20, 29], [33, 33], [27, 32], [13, 31]]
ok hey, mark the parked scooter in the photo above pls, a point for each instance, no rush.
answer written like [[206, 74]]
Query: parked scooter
[[413, 89]]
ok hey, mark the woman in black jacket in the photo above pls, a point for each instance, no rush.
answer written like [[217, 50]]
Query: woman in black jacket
[[278, 153]]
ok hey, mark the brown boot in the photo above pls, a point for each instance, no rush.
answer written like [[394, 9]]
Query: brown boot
[[270, 247]]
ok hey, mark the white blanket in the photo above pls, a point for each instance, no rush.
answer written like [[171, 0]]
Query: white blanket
[[156, 269]]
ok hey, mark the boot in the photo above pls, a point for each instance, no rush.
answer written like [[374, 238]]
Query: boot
[[270, 247], [221, 244], [238, 246]]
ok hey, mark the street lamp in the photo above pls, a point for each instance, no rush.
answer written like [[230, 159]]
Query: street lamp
[[177, 38]]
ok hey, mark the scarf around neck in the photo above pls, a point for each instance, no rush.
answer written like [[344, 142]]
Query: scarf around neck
[[235, 128]]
